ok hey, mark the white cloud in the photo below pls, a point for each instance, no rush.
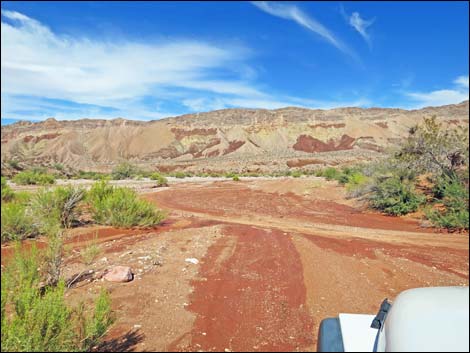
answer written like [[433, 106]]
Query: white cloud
[[37, 62], [453, 95], [34, 60], [462, 81], [292, 12], [46, 74], [358, 23]]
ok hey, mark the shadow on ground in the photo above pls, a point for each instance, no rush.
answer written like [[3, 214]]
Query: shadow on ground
[[123, 343]]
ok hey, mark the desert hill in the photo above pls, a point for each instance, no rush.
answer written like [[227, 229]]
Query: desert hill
[[229, 139]]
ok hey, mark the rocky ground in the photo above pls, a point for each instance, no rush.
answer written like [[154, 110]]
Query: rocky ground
[[255, 265]]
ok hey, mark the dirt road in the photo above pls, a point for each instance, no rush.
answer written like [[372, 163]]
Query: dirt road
[[275, 257], [292, 254]]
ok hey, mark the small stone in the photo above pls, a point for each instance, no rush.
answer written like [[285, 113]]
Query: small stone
[[119, 274], [192, 260]]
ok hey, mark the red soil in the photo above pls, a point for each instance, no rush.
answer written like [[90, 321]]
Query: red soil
[[269, 268], [253, 300], [240, 200]]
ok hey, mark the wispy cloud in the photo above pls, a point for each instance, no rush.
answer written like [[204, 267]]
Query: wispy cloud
[[359, 24], [46, 74], [37, 62], [452, 95], [292, 12]]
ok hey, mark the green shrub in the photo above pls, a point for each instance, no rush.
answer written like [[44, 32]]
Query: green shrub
[[160, 179], [454, 196], [17, 222], [230, 175], [39, 320], [124, 170], [58, 166], [90, 252], [180, 175], [121, 207], [14, 164], [97, 325], [331, 173], [235, 178], [296, 173], [22, 197], [58, 206], [91, 175], [33, 177], [7, 192], [358, 184], [395, 197]]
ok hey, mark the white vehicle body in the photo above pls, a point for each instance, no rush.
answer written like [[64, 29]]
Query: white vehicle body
[[432, 319]]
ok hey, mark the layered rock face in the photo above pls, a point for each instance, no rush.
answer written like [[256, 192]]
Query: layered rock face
[[230, 139]]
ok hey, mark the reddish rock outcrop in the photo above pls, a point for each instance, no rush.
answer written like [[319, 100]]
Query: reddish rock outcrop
[[303, 162], [310, 144], [181, 133], [326, 126], [233, 146]]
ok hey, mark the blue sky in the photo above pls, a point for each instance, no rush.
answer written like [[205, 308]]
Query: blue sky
[[148, 60]]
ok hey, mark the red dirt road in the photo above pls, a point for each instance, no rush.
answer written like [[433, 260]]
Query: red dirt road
[[253, 296], [287, 261], [275, 257]]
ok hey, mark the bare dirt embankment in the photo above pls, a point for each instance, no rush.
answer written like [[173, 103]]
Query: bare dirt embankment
[[275, 257]]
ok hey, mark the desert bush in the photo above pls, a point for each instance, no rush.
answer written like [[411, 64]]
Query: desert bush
[[59, 205], [91, 175], [94, 327], [432, 148], [14, 164], [180, 175], [22, 197], [160, 179], [90, 251], [453, 195], [58, 166], [235, 178], [395, 197], [296, 173], [330, 173], [7, 192], [38, 319], [358, 185], [33, 177], [121, 207], [124, 170], [17, 222]]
